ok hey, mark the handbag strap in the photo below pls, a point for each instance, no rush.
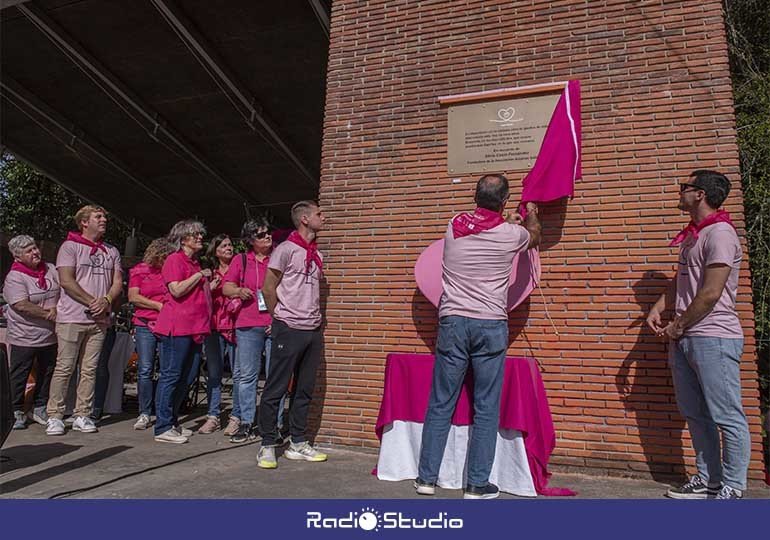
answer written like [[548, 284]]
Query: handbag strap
[[243, 269]]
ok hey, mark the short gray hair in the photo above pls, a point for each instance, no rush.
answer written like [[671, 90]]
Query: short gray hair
[[184, 229], [18, 244]]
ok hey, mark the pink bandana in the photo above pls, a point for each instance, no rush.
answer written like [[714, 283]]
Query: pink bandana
[[312, 255], [80, 239], [720, 216], [480, 220], [39, 273]]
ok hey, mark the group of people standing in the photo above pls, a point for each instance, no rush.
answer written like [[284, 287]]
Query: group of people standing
[[58, 318]]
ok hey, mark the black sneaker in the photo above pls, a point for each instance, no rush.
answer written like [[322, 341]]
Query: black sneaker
[[694, 488], [244, 434], [423, 487], [727, 493], [489, 491]]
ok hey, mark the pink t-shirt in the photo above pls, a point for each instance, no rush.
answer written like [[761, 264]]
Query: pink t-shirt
[[25, 331], [93, 273], [149, 281], [477, 269], [716, 244], [188, 315], [299, 292], [253, 279]]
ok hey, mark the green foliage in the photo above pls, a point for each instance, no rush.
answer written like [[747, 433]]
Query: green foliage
[[32, 204], [748, 31]]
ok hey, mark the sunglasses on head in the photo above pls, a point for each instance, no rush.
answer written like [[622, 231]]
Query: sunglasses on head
[[689, 187]]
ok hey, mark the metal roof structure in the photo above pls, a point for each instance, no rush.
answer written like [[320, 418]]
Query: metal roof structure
[[160, 110]]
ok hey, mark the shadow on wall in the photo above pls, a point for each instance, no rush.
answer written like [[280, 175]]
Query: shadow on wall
[[315, 414], [647, 393]]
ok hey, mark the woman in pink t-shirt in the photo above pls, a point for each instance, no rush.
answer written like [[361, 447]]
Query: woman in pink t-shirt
[[32, 290], [183, 323], [221, 340], [244, 281], [147, 292]]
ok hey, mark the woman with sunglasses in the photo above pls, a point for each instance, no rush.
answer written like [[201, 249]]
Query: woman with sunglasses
[[183, 323], [220, 342], [252, 325]]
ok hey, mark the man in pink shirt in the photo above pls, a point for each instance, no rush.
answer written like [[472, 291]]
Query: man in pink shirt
[[292, 294], [706, 340], [31, 289], [91, 277], [473, 330]]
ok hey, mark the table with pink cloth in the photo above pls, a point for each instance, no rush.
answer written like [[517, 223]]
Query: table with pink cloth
[[525, 438]]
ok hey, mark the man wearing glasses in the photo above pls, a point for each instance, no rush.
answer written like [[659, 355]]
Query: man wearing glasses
[[706, 340]]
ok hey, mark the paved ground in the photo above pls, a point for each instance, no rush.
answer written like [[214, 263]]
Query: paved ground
[[119, 462]]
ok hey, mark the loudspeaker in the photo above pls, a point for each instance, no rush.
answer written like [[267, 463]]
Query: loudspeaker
[[6, 408]]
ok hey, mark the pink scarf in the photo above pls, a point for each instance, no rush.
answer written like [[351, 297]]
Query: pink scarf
[[480, 220], [39, 273], [720, 216], [80, 239], [311, 248]]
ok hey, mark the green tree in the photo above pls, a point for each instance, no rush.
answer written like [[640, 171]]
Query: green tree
[[30, 203], [748, 31]]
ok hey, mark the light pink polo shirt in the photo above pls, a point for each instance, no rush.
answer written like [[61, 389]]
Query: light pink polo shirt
[[188, 315], [716, 244], [254, 279], [93, 273], [150, 283], [299, 292], [25, 331], [477, 269]]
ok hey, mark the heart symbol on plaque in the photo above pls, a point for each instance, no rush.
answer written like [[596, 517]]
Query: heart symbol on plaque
[[506, 114]]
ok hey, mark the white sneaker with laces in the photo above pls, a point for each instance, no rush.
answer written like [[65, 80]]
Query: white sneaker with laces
[[183, 431], [143, 422], [171, 436], [84, 424], [304, 452], [54, 426]]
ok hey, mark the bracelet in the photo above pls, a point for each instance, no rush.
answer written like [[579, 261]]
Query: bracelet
[[108, 298]]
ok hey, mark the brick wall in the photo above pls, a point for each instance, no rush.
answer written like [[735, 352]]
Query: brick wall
[[656, 104]]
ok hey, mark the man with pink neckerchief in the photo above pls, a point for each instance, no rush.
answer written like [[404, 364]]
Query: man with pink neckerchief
[[91, 277]]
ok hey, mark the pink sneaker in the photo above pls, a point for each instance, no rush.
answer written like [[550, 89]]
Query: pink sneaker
[[232, 426], [211, 425]]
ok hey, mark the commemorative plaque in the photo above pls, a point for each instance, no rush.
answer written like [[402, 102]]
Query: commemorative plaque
[[498, 135]]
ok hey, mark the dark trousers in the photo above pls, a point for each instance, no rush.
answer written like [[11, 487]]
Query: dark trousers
[[103, 372], [295, 352], [22, 359]]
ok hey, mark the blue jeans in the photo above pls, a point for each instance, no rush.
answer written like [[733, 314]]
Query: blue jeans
[[176, 358], [146, 345], [216, 346], [707, 382], [251, 343], [464, 342]]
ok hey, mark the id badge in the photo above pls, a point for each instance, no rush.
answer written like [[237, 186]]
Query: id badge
[[261, 301]]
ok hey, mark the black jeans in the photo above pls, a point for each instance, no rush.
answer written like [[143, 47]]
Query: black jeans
[[22, 359], [295, 352]]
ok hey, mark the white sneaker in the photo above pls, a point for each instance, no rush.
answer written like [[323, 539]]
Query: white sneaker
[[84, 424], [143, 422], [183, 431], [304, 452], [54, 426], [171, 436]]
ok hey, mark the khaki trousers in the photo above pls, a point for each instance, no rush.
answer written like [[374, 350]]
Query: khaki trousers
[[79, 344]]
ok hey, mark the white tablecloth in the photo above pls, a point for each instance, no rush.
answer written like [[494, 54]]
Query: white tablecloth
[[400, 455]]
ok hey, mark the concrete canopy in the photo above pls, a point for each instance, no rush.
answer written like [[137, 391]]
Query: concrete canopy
[[161, 110]]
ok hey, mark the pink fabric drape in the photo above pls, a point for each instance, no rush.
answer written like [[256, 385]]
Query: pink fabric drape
[[558, 163], [523, 406]]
